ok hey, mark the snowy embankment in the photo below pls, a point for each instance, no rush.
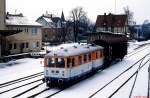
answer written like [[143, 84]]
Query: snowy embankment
[[134, 45], [27, 66], [23, 67], [20, 68], [87, 87]]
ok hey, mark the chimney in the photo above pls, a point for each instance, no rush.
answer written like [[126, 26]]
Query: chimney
[[110, 14], [21, 15], [46, 13]]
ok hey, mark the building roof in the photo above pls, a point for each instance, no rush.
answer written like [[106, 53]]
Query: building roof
[[56, 19], [111, 20], [109, 37], [47, 19], [50, 20], [9, 32], [74, 50], [19, 20]]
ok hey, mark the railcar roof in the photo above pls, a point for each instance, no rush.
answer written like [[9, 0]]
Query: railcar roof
[[74, 50]]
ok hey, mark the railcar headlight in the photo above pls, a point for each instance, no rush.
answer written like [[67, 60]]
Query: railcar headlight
[[52, 71], [57, 71]]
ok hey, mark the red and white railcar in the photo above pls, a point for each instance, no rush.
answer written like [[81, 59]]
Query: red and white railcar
[[65, 65]]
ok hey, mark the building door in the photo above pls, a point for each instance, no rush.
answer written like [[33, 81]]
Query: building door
[[21, 47]]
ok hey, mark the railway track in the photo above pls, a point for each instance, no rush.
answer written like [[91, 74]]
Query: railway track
[[53, 94], [135, 73], [20, 79], [148, 90], [101, 70], [46, 89], [110, 81], [34, 95], [136, 77], [92, 95], [135, 52], [20, 86], [27, 90]]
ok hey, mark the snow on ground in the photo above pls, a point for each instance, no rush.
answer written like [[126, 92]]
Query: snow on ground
[[133, 45], [87, 87], [20, 68], [27, 66], [19, 84], [16, 91], [141, 85]]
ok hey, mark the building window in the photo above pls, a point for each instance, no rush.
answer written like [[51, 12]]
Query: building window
[[34, 31], [15, 46], [10, 46], [18, 28], [26, 30], [27, 45], [22, 45], [33, 45]]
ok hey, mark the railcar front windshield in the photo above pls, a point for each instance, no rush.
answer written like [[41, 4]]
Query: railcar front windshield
[[56, 62]]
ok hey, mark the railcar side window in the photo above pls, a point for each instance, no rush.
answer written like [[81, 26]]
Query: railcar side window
[[89, 57], [73, 62], [96, 54], [60, 62], [56, 62], [80, 60], [101, 53], [51, 62], [68, 62], [85, 58]]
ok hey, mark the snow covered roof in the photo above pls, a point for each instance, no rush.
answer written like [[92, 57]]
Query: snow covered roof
[[74, 49], [20, 20], [47, 19]]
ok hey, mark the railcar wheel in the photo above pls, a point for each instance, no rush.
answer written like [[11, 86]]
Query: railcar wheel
[[48, 83], [60, 82]]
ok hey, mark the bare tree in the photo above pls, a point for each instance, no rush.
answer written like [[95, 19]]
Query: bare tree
[[129, 14], [76, 15]]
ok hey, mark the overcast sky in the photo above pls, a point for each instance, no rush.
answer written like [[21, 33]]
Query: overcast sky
[[35, 8]]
